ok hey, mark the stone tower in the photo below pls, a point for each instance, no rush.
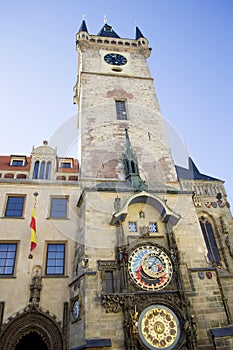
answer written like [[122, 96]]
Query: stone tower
[[114, 92], [153, 264]]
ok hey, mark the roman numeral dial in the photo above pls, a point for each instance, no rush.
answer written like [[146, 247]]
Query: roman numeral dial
[[115, 59]]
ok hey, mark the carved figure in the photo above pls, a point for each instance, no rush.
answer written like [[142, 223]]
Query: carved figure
[[35, 288]]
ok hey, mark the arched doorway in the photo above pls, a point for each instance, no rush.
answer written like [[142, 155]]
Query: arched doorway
[[32, 329], [31, 341]]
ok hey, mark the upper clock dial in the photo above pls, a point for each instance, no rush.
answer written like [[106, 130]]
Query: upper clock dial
[[115, 59], [150, 267]]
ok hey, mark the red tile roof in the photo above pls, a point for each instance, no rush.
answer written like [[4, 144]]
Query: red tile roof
[[5, 164]]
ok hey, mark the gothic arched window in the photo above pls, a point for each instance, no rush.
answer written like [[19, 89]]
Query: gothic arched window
[[208, 234], [48, 171], [36, 170], [42, 170]]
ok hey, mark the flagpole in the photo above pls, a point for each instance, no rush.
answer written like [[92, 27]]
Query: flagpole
[[33, 227]]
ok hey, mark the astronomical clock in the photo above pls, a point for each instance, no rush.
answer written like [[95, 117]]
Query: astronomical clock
[[146, 286]]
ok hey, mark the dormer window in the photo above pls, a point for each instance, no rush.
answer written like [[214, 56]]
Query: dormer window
[[65, 163], [107, 28], [18, 161]]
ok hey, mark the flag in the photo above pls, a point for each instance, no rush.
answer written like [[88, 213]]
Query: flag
[[33, 229]]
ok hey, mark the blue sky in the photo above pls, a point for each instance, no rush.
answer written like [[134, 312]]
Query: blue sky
[[191, 62]]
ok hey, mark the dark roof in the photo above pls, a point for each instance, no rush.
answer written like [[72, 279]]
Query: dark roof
[[138, 34], [107, 31], [222, 332], [192, 173], [83, 27], [94, 343]]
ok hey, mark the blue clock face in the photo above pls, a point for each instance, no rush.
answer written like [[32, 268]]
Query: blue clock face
[[150, 268], [76, 309], [115, 59]]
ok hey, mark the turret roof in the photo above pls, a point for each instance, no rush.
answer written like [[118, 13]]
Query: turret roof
[[138, 34], [83, 27], [192, 173], [107, 31]]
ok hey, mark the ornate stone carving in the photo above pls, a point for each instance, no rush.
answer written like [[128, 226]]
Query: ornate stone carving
[[32, 319], [144, 230], [35, 286], [112, 303], [196, 200]]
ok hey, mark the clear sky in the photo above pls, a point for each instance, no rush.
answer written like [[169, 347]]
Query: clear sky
[[191, 62]]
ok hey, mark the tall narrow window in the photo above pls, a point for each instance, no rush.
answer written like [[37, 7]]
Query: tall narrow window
[[36, 169], [7, 258], [14, 207], [121, 110], [208, 234], [48, 171], [109, 282], [55, 262], [133, 168], [42, 170]]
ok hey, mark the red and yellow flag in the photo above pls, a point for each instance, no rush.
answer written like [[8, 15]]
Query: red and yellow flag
[[33, 230]]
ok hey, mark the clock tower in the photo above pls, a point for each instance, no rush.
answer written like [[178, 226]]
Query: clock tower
[[140, 273], [114, 92]]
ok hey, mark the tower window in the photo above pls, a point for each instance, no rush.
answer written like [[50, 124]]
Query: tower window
[[109, 282], [7, 258], [121, 110], [208, 234], [132, 226], [153, 227]]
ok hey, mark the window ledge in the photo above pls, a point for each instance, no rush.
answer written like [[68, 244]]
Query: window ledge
[[12, 217], [52, 218], [55, 276]]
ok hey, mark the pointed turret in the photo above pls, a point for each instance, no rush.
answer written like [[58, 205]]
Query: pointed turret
[[107, 31], [130, 159], [131, 166], [83, 27], [138, 34]]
